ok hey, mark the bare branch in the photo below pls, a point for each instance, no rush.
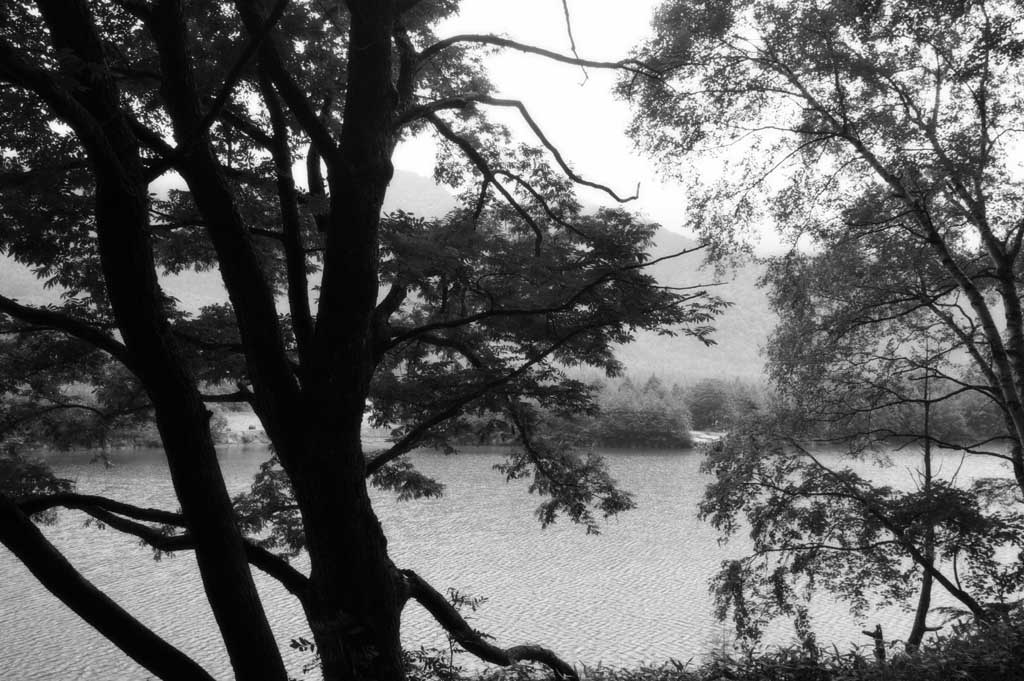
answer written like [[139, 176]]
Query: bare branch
[[485, 169], [465, 100], [20, 535], [58, 321], [291, 223], [448, 617], [38, 504], [572, 40], [273, 565], [123, 517], [630, 65]]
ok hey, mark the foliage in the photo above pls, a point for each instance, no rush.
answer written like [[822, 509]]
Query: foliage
[[627, 414], [991, 652], [62, 393], [23, 477], [819, 525], [335, 312], [640, 417], [880, 139], [715, 404]]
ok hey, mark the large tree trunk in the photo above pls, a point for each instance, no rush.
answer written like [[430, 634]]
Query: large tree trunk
[[354, 604], [355, 601], [183, 423]]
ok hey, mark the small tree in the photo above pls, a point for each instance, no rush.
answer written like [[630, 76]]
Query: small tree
[[848, 391]]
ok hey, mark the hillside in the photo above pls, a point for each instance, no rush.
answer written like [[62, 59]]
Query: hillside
[[741, 331]]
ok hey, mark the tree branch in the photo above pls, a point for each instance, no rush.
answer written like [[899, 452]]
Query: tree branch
[[448, 617], [485, 169], [291, 92], [900, 535], [572, 39], [409, 334], [273, 565], [256, 39], [20, 535], [465, 100], [117, 515], [38, 504], [58, 321], [631, 65], [416, 434], [291, 223]]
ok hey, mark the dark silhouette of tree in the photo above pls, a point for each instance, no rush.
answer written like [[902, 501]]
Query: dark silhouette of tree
[[423, 321]]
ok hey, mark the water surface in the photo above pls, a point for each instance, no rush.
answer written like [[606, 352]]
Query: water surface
[[636, 592]]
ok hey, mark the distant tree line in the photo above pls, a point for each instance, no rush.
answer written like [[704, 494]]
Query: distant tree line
[[636, 414], [630, 413]]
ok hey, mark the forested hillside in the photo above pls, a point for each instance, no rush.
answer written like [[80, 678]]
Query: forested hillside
[[740, 332]]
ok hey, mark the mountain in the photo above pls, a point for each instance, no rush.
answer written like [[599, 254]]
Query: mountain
[[740, 331], [417, 194]]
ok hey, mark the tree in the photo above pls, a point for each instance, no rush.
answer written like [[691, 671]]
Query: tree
[[421, 320], [882, 136], [884, 131], [856, 375], [640, 417], [800, 479]]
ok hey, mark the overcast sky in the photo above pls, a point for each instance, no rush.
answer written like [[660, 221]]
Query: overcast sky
[[582, 118]]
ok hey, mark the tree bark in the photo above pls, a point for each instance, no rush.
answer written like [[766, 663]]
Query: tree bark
[[353, 603], [355, 606]]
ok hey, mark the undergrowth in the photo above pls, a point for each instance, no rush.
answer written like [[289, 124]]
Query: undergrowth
[[990, 652]]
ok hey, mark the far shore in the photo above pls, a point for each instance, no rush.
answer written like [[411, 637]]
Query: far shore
[[243, 427]]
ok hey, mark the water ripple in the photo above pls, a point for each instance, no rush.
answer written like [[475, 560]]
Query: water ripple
[[637, 592]]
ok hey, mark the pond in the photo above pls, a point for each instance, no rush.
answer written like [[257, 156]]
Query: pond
[[636, 592]]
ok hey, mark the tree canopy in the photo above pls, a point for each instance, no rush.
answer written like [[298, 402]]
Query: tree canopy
[[879, 133], [882, 140]]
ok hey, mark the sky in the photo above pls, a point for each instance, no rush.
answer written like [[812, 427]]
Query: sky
[[580, 115]]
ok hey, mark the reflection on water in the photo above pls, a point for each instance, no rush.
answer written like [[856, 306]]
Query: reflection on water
[[637, 592]]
